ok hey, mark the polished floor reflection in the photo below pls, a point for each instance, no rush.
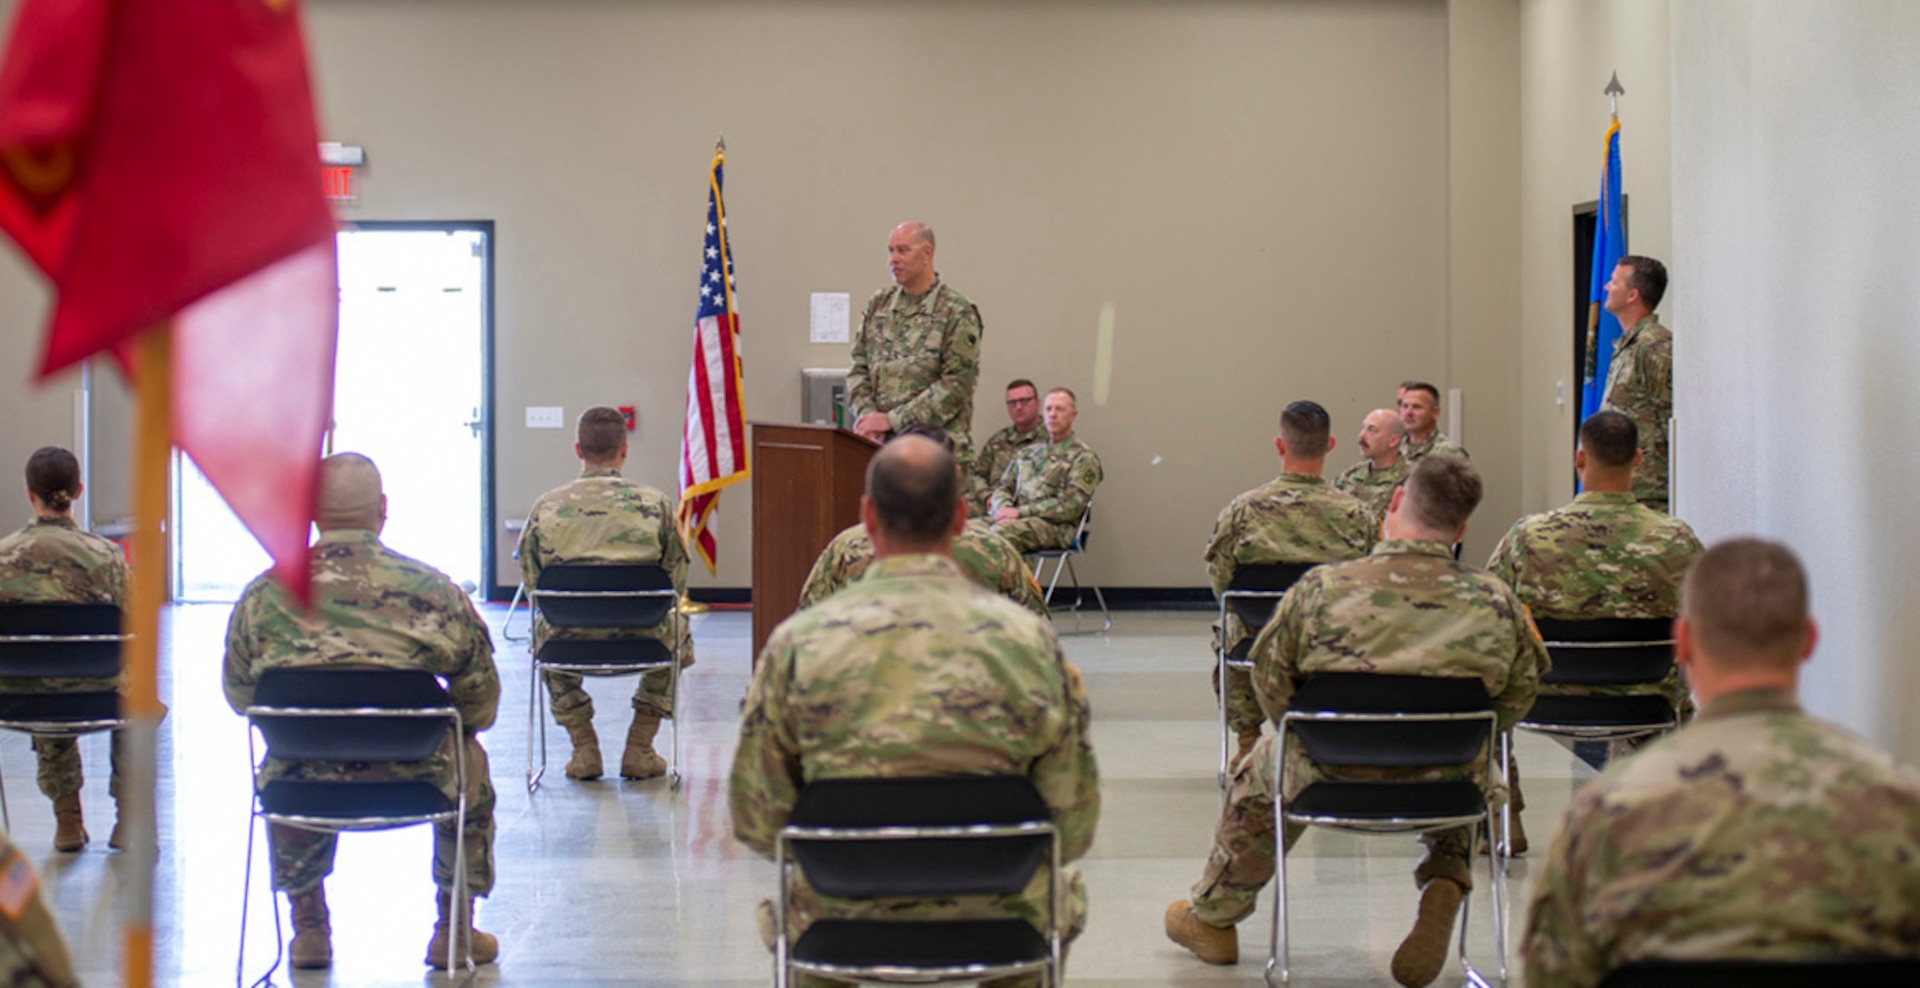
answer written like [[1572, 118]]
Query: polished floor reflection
[[630, 883]]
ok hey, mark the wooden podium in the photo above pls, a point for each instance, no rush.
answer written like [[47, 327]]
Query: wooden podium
[[807, 481]]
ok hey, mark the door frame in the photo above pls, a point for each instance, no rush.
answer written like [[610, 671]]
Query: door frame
[[488, 523]]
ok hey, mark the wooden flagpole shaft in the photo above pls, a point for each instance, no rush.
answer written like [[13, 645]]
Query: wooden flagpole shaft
[[152, 455]]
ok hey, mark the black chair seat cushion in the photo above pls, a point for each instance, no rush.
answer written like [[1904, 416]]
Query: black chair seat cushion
[[1599, 711], [616, 654], [1388, 800], [352, 800], [71, 707], [939, 944], [1868, 972]]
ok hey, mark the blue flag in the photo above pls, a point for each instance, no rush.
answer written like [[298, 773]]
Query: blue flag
[[1609, 246]]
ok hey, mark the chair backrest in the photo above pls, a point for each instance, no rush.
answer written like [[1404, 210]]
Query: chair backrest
[[40, 641], [1265, 578], [351, 713], [1852, 972], [951, 835], [1454, 730], [1608, 651], [604, 595]]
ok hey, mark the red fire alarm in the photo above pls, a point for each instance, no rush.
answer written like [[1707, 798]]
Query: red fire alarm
[[626, 412]]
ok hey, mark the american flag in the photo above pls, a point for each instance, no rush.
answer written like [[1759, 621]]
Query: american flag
[[713, 449]]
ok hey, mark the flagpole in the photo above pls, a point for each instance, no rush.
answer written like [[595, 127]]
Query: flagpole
[[152, 451]]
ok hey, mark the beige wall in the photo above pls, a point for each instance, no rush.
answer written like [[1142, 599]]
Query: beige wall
[[1280, 200], [1796, 356]]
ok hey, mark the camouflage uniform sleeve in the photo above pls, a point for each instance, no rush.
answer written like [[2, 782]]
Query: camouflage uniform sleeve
[[1066, 505], [474, 684], [1507, 555], [1220, 561], [766, 775], [529, 548], [1558, 949], [1067, 775], [1022, 588], [118, 576], [1276, 652], [1530, 661], [238, 676], [673, 550], [950, 394], [859, 368], [819, 585], [1008, 486]]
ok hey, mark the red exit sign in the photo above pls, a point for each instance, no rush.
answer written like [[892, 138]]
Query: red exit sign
[[337, 181]]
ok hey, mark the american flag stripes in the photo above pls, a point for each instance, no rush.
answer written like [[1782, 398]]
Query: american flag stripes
[[713, 449]]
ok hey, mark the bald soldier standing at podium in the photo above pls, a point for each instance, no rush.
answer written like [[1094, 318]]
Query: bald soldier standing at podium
[[916, 356]]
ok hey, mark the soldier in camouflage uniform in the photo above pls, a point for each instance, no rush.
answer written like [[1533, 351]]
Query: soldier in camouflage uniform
[[1640, 378], [1042, 495], [916, 356], [604, 518], [1382, 469], [32, 952], [1756, 833], [915, 671], [51, 561], [1407, 609], [1420, 413], [986, 558], [371, 607], [996, 454], [1603, 556], [1296, 518]]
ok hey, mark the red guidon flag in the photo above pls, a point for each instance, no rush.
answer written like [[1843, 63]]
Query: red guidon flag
[[713, 449], [158, 160]]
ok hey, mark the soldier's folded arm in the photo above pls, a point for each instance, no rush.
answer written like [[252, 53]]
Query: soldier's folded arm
[[766, 777], [475, 687], [1067, 775], [237, 676]]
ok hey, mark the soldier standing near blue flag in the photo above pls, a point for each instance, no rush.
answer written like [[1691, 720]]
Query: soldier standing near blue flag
[[1640, 377]]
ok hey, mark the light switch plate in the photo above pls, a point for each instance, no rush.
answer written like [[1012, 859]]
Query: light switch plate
[[546, 417]]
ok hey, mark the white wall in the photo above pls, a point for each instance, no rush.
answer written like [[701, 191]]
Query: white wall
[[1796, 229]]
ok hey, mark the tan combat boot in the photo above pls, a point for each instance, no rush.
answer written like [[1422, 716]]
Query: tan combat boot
[[1424, 952], [69, 833], [312, 945], [485, 947], [640, 761], [1209, 943], [1244, 741], [585, 762]]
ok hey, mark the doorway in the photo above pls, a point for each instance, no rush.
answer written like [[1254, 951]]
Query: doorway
[[411, 391]]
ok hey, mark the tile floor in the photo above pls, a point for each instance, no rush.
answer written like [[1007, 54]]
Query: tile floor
[[629, 883]]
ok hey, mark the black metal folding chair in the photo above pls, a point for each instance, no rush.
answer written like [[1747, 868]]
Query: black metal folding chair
[[1063, 559], [625, 597], [354, 714], [1252, 596], [1848, 972], [918, 838], [1362, 720], [1631, 652], [58, 641]]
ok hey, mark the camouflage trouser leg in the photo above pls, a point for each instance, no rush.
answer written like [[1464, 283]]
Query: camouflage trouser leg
[[1242, 863], [1446, 857], [1243, 707], [60, 772], [654, 695], [1031, 534], [569, 701], [479, 830], [301, 858]]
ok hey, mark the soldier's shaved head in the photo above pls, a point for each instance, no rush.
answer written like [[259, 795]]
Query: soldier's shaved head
[[350, 494], [1610, 439], [1305, 425], [912, 489], [1441, 494], [1745, 602]]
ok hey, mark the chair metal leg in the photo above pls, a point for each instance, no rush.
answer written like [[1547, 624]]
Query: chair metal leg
[[536, 730], [1073, 573], [673, 679], [506, 627], [1279, 969], [6, 818]]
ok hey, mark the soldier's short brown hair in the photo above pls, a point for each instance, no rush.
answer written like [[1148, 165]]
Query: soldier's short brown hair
[[1610, 438], [1442, 492], [600, 433], [1746, 601], [1305, 426], [913, 485], [53, 475], [1021, 382], [1646, 276], [1422, 386], [1065, 391]]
